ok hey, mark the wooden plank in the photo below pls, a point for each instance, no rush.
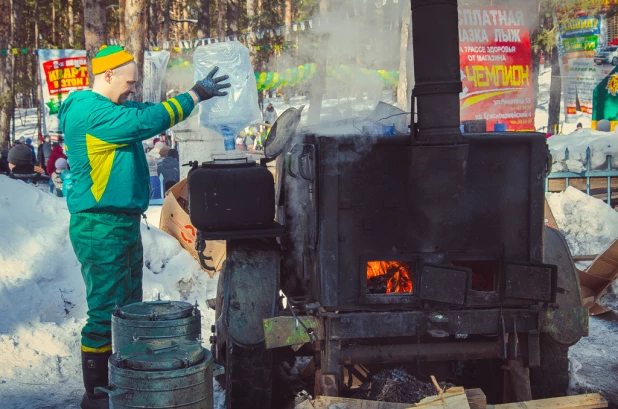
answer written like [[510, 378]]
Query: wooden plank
[[587, 401], [331, 402], [476, 399], [452, 398]]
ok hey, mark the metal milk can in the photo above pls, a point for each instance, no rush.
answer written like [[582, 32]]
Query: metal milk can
[[161, 374], [155, 321]]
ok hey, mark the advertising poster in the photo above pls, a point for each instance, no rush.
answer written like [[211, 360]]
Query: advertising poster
[[61, 71], [579, 40], [496, 68]]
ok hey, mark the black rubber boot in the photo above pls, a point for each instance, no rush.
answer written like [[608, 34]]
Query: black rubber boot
[[94, 370]]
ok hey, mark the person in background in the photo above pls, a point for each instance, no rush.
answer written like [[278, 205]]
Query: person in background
[[169, 168], [23, 169], [56, 154], [270, 116], [44, 150], [579, 127], [22, 141], [153, 157], [4, 162], [33, 154], [61, 166]]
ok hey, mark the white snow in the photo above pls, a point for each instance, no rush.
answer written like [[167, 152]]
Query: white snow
[[601, 144], [43, 302], [589, 224]]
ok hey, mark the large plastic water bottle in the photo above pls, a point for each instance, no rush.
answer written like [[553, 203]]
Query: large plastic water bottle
[[230, 114]]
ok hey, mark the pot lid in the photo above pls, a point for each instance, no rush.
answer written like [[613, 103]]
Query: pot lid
[[161, 355], [159, 310], [282, 131]]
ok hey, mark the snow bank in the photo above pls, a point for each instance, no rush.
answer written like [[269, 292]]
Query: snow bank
[[43, 301], [601, 145], [589, 224]]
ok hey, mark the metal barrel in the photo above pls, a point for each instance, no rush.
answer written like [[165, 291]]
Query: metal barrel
[[153, 321], [187, 388]]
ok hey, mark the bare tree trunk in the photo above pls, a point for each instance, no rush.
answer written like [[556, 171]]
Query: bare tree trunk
[[406, 67], [6, 73], [555, 93], [288, 16], [222, 5], [232, 16], [122, 29], [177, 26], [135, 19], [16, 15], [53, 4], [166, 20], [35, 70], [186, 33], [203, 18], [95, 29], [152, 21], [71, 22]]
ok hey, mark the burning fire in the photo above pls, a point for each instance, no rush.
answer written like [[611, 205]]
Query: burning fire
[[396, 274]]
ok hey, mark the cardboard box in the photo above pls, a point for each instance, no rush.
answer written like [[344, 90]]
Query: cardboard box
[[599, 275], [176, 222]]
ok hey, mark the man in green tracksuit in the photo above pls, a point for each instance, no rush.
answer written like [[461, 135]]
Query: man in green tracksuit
[[103, 134]]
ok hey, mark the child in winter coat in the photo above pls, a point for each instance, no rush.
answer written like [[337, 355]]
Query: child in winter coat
[[61, 166]]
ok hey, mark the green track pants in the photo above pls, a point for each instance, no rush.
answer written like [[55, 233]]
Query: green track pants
[[109, 248]]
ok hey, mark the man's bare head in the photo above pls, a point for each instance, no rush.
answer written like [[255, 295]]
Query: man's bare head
[[117, 84]]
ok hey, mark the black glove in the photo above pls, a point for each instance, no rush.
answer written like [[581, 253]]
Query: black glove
[[209, 87]]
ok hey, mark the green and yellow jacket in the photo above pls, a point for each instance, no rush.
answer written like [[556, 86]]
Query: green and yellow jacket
[[103, 142]]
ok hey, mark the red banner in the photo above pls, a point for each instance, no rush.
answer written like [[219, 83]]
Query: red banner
[[496, 68], [66, 74]]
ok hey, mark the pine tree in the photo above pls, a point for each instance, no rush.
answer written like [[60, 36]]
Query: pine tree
[[135, 20]]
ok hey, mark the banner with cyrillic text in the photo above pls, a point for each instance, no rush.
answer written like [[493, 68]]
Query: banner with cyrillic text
[[61, 72], [496, 67], [583, 64]]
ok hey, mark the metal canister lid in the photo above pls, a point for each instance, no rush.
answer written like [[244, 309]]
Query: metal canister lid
[[159, 310], [161, 355]]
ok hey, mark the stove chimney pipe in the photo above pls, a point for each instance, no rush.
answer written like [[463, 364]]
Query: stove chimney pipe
[[435, 38]]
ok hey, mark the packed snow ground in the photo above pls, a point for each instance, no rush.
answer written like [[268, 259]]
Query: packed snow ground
[[43, 301]]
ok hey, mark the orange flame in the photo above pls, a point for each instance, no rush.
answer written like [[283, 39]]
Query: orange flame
[[398, 277]]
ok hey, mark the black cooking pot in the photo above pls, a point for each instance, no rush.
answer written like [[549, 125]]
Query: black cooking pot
[[231, 195]]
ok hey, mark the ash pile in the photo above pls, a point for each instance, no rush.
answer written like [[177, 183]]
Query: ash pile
[[398, 386]]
